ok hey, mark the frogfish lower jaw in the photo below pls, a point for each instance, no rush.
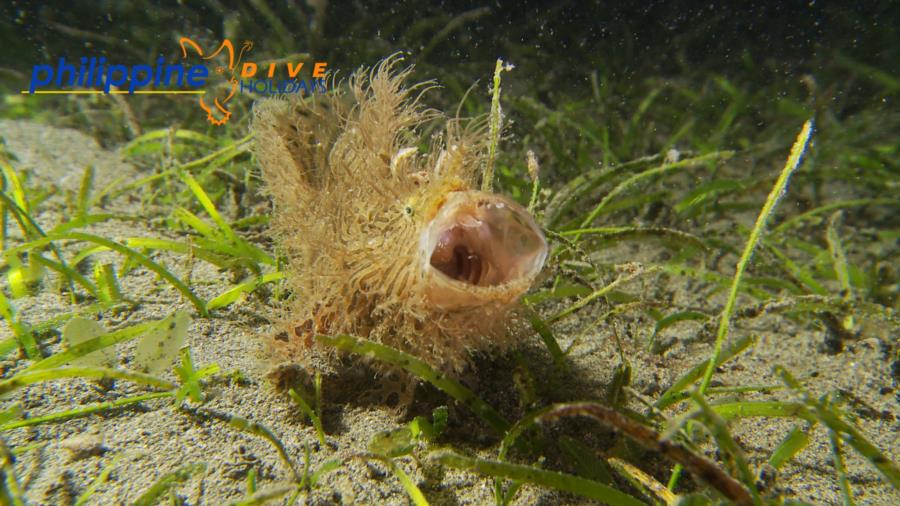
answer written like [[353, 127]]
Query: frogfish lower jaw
[[479, 249]]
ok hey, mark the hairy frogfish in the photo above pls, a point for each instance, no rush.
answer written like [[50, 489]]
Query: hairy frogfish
[[386, 237]]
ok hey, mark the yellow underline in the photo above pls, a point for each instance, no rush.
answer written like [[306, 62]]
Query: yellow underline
[[114, 92]]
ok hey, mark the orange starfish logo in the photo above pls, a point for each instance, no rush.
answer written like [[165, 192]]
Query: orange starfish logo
[[217, 113]]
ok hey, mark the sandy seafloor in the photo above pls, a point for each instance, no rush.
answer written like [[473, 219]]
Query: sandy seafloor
[[153, 438]]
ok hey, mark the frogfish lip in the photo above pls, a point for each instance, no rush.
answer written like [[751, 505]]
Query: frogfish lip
[[479, 249]]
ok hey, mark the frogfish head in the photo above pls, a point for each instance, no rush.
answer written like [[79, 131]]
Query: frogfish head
[[479, 249]]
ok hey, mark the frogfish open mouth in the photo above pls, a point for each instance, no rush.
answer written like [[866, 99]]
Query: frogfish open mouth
[[386, 236], [476, 241]]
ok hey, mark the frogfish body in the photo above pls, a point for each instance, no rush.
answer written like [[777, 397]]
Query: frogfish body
[[385, 234]]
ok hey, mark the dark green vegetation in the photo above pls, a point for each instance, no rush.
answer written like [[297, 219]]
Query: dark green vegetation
[[681, 142]]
